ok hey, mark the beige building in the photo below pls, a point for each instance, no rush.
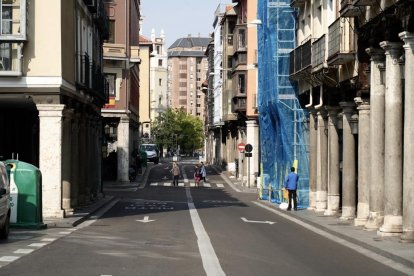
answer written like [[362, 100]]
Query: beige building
[[158, 75], [51, 90], [145, 50], [187, 67], [121, 67]]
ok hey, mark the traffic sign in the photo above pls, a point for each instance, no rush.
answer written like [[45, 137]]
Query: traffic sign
[[241, 146], [248, 148]]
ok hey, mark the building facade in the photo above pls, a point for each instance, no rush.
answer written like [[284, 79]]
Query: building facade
[[352, 62], [187, 67], [54, 86], [121, 67], [145, 50]]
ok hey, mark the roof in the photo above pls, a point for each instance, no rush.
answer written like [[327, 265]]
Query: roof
[[186, 54], [190, 42], [144, 40]]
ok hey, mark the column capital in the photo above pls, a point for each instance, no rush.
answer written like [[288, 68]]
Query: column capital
[[348, 107], [391, 48], [50, 110], [408, 38], [333, 110], [363, 104], [376, 54], [68, 113]]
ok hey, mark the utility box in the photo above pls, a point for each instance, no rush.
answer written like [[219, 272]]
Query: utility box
[[25, 195]]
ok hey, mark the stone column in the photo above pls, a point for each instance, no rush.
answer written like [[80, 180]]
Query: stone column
[[364, 166], [348, 167], [75, 162], [313, 148], [67, 161], [123, 149], [252, 129], [333, 162], [322, 163], [82, 159], [393, 140], [377, 139], [408, 171], [50, 158]]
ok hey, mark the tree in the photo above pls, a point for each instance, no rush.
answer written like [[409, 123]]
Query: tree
[[176, 127]]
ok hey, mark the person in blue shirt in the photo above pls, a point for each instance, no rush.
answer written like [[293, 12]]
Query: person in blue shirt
[[291, 184]]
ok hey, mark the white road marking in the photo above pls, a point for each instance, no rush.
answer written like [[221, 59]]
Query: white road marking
[[192, 184], [9, 258], [154, 184], [23, 251], [64, 232], [47, 240], [257, 221], [37, 244], [145, 220], [17, 237], [180, 184], [207, 185], [209, 258], [395, 265], [185, 180], [167, 184], [220, 185]]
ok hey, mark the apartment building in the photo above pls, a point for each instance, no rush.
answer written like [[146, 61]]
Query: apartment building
[[352, 62], [51, 90], [158, 76], [121, 67], [145, 50], [187, 68]]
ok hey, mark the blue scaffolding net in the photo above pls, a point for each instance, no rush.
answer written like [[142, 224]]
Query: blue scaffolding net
[[283, 123]]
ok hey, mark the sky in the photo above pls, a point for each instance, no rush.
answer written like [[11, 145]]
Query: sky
[[179, 18]]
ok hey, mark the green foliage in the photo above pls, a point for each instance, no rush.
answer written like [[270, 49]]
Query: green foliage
[[176, 127]]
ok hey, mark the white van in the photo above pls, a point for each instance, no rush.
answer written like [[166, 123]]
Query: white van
[[4, 202], [152, 152]]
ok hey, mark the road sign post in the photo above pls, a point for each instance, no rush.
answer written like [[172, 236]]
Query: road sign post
[[248, 148]]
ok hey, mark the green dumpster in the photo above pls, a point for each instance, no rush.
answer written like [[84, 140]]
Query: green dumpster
[[25, 195]]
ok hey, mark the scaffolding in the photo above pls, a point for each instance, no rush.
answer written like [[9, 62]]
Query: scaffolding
[[283, 123]]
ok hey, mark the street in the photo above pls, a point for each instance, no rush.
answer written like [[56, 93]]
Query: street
[[158, 229]]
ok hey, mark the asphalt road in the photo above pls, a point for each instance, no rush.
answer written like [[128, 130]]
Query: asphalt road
[[164, 230]]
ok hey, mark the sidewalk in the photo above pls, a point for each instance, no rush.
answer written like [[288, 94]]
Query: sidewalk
[[390, 248]]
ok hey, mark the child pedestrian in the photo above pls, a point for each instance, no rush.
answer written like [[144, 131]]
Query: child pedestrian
[[176, 173], [197, 175]]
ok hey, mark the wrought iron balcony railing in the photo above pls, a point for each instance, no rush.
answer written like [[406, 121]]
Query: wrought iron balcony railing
[[318, 53], [341, 48], [300, 58]]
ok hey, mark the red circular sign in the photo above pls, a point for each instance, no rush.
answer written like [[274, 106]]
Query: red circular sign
[[241, 146]]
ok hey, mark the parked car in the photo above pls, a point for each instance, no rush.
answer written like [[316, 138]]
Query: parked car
[[4, 202], [152, 152]]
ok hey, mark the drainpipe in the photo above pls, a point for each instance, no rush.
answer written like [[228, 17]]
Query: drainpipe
[[318, 106], [310, 99]]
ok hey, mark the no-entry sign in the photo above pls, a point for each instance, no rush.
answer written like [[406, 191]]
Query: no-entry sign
[[241, 146]]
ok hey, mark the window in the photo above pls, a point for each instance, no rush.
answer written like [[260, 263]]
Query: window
[[111, 37], [242, 39], [160, 62], [111, 78], [159, 82], [158, 49], [13, 19], [241, 85], [10, 59]]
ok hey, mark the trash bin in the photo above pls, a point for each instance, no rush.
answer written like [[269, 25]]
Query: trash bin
[[25, 195]]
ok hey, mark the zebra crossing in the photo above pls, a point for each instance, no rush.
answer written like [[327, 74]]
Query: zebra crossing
[[186, 183]]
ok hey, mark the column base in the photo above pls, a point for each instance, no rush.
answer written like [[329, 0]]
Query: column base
[[375, 220], [53, 214], [348, 213], [330, 212], [312, 200], [321, 201], [68, 212], [392, 226], [407, 235], [360, 221]]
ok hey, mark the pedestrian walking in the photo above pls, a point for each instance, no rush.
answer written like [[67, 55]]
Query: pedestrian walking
[[197, 175], [176, 173], [203, 171], [291, 185]]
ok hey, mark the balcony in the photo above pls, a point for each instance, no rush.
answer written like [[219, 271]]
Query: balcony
[[238, 104], [134, 50], [318, 54], [300, 59], [238, 60], [101, 18], [341, 48], [348, 9], [83, 79], [297, 3], [13, 21], [114, 51]]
